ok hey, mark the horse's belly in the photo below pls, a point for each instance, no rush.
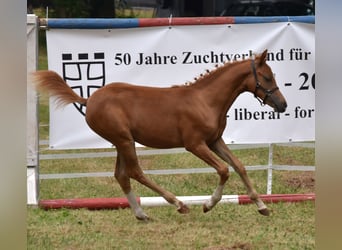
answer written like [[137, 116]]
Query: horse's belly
[[157, 137]]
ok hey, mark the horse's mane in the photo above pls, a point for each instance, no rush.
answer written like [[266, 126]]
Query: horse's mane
[[209, 73]]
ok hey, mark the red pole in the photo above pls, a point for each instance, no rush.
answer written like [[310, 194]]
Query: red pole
[[119, 202]]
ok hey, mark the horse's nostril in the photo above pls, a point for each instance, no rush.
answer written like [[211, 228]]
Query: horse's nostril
[[281, 107], [285, 106]]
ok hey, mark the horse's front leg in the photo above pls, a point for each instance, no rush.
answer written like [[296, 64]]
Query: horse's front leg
[[221, 149], [203, 152]]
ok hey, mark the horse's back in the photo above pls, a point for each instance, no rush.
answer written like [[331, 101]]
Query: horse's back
[[151, 116], [127, 96]]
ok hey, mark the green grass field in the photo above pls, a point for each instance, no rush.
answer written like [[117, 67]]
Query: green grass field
[[227, 226], [290, 226]]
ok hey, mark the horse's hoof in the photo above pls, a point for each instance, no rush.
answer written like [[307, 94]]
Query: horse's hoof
[[205, 208], [264, 211], [183, 209], [143, 217]]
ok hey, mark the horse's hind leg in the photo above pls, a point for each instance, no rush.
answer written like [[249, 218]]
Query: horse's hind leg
[[221, 149], [132, 169], [125, 184]]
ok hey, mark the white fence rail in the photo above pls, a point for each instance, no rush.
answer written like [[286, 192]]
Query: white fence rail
[[198, 170]]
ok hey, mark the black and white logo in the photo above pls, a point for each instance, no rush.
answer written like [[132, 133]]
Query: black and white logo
[[84, 73]]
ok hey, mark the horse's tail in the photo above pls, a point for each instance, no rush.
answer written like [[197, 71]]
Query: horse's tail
[[51, 83]]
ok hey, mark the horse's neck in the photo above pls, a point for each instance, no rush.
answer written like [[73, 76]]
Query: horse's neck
[[223, 86]]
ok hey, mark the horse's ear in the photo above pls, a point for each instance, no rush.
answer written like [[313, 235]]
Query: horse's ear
[[263, 57]]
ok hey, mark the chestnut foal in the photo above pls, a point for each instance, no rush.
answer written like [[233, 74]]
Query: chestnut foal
[[191, 116]]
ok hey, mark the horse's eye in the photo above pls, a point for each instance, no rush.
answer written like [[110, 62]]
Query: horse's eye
[[267, 78]]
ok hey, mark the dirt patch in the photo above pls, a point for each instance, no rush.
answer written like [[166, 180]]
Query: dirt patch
[[302, 180], [237, 246]]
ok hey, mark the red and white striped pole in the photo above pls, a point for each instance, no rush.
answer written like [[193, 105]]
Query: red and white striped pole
[[116, 203]]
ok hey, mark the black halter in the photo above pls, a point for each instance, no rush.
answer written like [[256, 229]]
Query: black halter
[[268, 92]]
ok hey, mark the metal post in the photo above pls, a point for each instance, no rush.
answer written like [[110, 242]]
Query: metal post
[[269, 169], [32, 113]]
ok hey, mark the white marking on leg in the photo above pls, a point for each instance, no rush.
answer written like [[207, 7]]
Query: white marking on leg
[[215, 198], [138, 212]]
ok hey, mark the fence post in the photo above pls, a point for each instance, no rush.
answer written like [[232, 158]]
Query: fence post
[[32, 113], [269, 169]]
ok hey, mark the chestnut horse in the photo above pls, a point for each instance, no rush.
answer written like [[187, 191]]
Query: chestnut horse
[[191, 116]]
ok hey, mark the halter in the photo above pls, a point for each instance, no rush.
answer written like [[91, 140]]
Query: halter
[[268, 92]]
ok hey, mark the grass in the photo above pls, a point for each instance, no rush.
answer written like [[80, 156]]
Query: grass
[[223, 228], [290, 226]]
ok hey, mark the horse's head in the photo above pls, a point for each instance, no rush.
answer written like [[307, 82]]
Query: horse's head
[[262, 83]]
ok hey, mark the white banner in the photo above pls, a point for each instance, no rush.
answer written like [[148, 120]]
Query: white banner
[[163, 56]]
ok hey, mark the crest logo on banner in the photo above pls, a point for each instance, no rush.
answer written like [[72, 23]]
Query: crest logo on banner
[[84, 73]]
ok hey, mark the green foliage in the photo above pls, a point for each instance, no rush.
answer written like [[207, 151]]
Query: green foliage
[[75, 8], [70, 9]]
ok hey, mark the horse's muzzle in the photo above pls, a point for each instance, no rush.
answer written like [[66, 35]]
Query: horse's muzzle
[[280, 106]]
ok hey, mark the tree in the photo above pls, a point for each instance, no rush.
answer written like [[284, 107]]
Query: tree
[[76, 8], [102, 8]]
